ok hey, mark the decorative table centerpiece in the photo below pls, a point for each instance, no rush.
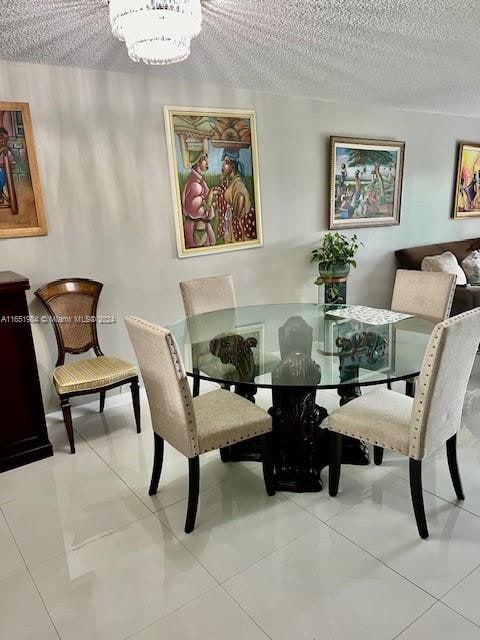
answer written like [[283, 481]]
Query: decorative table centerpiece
[[335, 257]]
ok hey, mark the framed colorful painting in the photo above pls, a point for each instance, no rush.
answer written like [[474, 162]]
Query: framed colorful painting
[[365, 182], [467, 191], [214, 177], [21, 201]]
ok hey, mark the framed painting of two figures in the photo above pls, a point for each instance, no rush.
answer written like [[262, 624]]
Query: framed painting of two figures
[[21, 202], [213, 162]]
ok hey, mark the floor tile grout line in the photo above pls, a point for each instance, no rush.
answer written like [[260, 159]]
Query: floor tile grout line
[[172, 532], [133, 492], [44, 603], [460, 581], [220, 583], [414, 621], [246, 612], [13, 537], [270, 553], [436, 598], [35, 566], [131, 636], [459, 613], [27, 570], [368, 552], [326, 523], [16, 545], [217, 484], [150, 515]]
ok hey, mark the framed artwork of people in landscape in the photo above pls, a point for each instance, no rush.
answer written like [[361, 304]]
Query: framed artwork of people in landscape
[[365, 182], [214, 177], [467, 192], [21, 201]]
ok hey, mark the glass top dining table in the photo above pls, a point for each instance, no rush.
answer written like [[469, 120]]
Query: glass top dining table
[[275, 345], [294, 350]]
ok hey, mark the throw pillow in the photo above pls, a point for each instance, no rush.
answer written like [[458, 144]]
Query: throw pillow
[[471, 266], [447, 263]]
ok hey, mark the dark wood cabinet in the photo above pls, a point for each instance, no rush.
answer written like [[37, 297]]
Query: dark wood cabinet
[[23, 432]]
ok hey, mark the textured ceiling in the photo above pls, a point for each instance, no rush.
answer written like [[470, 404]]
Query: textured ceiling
[[413, 54]]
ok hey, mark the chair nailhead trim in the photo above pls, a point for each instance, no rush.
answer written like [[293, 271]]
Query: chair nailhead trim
[[370, 441], [221, 443], [420, 410], [182, 379]]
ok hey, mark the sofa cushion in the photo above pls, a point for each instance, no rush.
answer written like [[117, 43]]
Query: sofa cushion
[[446, 263], [471, 267]]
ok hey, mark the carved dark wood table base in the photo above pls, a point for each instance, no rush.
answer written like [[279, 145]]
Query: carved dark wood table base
[[300, 444]]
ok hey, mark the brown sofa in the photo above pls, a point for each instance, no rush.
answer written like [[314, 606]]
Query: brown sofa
[[465, 297]]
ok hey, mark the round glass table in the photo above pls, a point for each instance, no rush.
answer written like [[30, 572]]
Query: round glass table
[[295, 349]]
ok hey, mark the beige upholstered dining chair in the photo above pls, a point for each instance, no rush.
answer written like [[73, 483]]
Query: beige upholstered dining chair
[[423, 293], [72, 306], [416, 426], [192, 425], [428, 294], [204, 295]]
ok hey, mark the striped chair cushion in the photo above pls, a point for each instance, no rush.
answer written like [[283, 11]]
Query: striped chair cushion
[[92, 373]]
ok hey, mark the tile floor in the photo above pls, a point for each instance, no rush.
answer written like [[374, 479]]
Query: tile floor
[[86, 554]]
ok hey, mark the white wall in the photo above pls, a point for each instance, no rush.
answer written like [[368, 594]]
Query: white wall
[[103, 163]]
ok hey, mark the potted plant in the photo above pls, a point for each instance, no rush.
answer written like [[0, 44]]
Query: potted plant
[[335, 257]]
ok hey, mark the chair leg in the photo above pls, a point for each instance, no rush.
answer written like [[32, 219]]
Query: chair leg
[[453, 466], [417, 497], [378, 455], [410, 388], [268, 467], [157, 464], [335, 462], [67, 418], [225, 454], [102, 400], [389, 385], [196, 383], [193, 489], [135, 389]]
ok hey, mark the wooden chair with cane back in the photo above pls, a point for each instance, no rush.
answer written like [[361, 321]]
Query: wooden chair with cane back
[[72, 306]]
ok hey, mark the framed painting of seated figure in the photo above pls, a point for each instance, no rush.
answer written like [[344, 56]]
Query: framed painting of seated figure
[[214, 177], [21, 202]]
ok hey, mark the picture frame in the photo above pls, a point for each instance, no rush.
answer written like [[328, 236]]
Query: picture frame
[[22, 211], [343, 328], [467, 187], [214, 176], [366, 178]]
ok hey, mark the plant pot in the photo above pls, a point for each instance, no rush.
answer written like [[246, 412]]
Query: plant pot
[[334, 273]]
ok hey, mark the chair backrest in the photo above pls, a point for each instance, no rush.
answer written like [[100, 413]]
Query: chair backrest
[[169, 396], [442, 384], [423, 293], [208, 294], [72, 306]]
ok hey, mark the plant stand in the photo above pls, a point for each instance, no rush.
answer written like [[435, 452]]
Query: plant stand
[[335, 289]]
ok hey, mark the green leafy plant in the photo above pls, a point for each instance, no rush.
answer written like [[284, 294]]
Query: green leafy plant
[[335, 251]]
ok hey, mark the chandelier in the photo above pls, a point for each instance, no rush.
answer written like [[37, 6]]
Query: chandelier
[[156, 31]]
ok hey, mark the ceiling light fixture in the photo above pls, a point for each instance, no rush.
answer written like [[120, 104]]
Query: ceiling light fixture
[[156, 31]]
